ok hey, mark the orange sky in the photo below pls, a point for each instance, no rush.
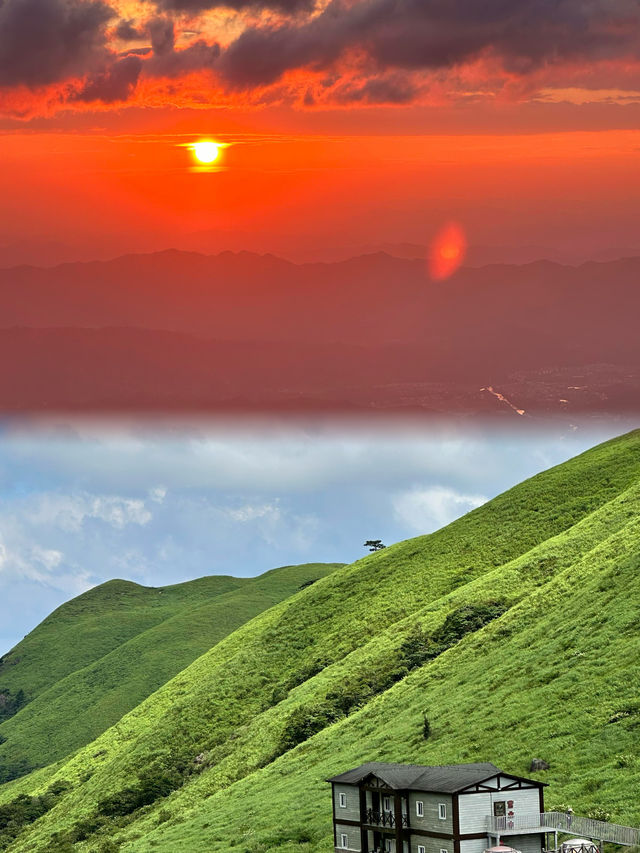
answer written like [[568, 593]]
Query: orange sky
[[141, 190], [348, 122]]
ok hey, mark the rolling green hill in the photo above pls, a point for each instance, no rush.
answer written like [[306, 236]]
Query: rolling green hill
[[101, 654], [515, 630]]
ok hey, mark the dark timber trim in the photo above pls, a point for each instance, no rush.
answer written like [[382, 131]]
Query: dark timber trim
[[344, 822], [397, 810], [471, 836], [455, 819], [467, 836], [516, 783], [364, 835], [333, 804], [428, 834]]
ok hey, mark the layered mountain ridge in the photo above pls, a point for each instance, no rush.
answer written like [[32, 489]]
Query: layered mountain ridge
[[241, 331]]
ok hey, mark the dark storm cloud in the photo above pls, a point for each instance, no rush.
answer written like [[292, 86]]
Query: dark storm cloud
[[115, 83], [45, 41], [127, 31], [199, 56], [288, 7], [169, 62], [377, 90], [431, 34], [162, 34]]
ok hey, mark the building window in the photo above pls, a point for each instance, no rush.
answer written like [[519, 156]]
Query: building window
[[386, 804], [442, 811], [443, 850], [420, 808], [500, 808], [343, 801], [344, 841], [421, 848]]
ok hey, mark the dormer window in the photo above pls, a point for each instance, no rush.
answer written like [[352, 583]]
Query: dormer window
[[442, 811]]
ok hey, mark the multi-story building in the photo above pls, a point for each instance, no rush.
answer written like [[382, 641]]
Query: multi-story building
[[459, 808]]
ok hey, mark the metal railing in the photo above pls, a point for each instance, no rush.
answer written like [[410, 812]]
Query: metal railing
[[384, 818], [569, 823]]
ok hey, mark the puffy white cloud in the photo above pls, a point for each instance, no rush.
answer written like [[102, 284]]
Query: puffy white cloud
[[158, 494], [250, 512], [70, 511], [428, 509]]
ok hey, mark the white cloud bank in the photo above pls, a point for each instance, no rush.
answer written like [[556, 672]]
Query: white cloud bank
[[427, 509]]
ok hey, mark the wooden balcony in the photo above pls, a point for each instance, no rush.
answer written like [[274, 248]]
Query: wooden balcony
[[384, 818]]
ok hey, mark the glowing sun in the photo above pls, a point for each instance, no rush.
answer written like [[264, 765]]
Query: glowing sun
[[206, 152]]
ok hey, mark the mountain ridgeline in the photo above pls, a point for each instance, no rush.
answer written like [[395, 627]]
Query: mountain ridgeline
[[510, 634], [101, 654], [243, 331]]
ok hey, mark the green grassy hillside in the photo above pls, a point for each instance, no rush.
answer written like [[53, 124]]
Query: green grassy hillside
[[127, 641], [91, 625], [515, 630]]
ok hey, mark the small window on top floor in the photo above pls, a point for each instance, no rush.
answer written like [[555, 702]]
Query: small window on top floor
[[419, 808], [342, 800], [442, 811], [421, 848], [386, 804]]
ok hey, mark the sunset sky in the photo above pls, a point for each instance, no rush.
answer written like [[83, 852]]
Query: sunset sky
[[345, 127], [347, 122]]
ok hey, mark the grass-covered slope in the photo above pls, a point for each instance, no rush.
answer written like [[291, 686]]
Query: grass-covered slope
[[512, 629], [173, 626], [91, 625], [556, 677]]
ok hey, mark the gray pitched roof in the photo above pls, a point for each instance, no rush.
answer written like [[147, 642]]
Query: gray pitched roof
[[446, 779]]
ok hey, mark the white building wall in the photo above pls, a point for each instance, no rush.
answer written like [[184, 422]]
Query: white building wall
[[526, 801], [525, 843], [473, 845], [473, 810]]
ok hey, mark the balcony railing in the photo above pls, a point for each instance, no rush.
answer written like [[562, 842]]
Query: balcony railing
[[562, 822], [385, 818]]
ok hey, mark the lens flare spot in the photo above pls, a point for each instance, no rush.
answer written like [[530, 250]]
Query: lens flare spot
[[206, 152], [447, 251]]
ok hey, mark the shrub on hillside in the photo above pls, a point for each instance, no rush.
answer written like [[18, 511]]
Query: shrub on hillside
[[25, 809], [421, 646], [10, 704], [303, 723], [426, 727]]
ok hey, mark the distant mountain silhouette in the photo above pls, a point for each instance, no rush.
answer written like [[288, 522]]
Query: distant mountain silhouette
[[189, 330]]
